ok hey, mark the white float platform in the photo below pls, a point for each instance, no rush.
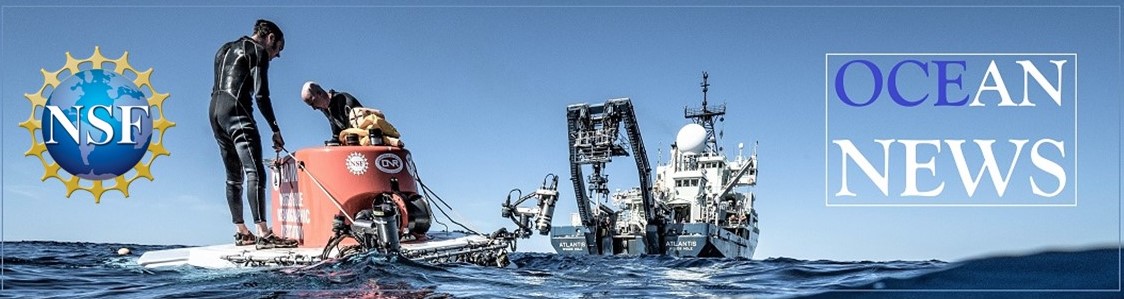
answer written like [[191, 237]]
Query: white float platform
[[219, 256]]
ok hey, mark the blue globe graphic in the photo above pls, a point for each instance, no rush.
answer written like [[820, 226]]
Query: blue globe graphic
[[84, 158]]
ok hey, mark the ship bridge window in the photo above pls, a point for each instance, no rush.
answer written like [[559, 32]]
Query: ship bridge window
[[712, 164], [686, 182]]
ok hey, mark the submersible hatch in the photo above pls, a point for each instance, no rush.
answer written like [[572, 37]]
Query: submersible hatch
[[693, 208]]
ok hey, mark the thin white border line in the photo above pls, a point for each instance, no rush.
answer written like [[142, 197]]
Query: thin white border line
[[3, 122], [1119, 148], [827, 202], [978, 290], [1119, 39], [949, 54], [561, 6], [719, 292], [947, 205]]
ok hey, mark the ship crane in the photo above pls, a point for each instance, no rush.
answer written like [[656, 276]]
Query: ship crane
[[594, 136]]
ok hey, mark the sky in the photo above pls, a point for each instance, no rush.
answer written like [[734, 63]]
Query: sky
[[479, 94]]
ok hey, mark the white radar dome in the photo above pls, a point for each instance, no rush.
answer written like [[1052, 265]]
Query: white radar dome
[[691, 139]]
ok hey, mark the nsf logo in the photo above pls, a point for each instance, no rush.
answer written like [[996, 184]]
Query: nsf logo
[[97, 124]]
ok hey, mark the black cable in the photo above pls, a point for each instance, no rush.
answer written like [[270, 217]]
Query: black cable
[[425, 189], [455, 221], [442, 224], [334, 242], [427, 192]]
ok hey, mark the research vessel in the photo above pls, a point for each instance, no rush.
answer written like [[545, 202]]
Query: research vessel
[[698, 205]]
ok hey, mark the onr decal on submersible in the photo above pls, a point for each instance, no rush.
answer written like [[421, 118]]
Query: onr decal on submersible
[[389, 163]]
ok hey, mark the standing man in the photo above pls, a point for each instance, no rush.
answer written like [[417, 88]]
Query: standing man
[[241, 77]]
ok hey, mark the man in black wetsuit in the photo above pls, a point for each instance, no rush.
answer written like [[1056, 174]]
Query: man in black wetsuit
[[335, 105], [340, 109], [241, 77]]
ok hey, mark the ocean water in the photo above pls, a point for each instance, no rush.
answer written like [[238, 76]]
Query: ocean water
[[93, 270]]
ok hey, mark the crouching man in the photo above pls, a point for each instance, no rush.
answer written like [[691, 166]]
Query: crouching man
[[347, 116]]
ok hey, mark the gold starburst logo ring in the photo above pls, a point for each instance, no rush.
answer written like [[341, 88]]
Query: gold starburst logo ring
[[98, 125]]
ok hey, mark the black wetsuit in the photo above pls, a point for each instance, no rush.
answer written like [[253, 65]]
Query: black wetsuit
[[241, 69], [339, 104]]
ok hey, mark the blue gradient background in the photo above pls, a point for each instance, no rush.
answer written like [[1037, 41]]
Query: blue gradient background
[[479, 94]]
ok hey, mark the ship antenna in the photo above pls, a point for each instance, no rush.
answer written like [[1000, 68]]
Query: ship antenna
[[706, 116], [705, 87], [741, 146]]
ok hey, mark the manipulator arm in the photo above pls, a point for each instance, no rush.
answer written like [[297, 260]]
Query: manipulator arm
[[541, 213]]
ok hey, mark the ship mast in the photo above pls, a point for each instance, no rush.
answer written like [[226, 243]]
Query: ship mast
[[706, 116]]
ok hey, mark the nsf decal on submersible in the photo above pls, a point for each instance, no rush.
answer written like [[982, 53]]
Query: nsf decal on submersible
[[356, 163], [97, 124]]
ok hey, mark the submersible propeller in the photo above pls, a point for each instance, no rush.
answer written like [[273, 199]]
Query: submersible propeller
[[377, 228], [385, 217]]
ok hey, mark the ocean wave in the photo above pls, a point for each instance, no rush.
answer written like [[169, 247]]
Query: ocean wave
[[94, 270]]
